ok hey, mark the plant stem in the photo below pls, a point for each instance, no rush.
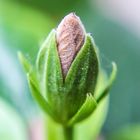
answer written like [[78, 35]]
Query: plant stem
[[68, 133]]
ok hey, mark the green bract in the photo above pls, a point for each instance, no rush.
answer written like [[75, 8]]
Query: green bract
[[71, 99]]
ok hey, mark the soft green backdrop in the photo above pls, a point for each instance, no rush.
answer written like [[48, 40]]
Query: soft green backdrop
[[25, 24]]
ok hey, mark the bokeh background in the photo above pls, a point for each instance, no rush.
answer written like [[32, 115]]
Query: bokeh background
[[115, 26]]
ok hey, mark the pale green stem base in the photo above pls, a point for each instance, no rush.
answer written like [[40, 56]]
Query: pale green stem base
[[55, 131], [68, 133]]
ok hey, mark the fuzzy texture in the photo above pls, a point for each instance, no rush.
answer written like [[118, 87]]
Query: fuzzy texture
[[70, 37]]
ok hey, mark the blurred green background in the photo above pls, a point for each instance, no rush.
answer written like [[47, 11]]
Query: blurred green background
[[24, 24]]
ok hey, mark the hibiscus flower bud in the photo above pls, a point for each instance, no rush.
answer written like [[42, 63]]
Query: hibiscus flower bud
[[65, 78]]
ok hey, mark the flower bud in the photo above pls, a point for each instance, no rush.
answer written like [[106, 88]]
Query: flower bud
[[65, 78], [70, 36]]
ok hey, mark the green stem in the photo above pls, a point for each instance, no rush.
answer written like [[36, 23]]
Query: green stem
[[55, 131], [68, 133]]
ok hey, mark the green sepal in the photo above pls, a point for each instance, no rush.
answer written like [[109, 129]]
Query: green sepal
[[43, 53], [110, 82], [86, 109], [50, 74], [81, 77], [28, 68], [39, 98], [34, 86], [41, 63], [25, 63], [53, 73]]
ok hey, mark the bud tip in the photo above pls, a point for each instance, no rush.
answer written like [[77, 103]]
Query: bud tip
[[70, 36]]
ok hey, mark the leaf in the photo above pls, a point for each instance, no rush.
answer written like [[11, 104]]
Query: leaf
[[26, 65], [110, 82], [86, 109], [39, 98], [82, 76]]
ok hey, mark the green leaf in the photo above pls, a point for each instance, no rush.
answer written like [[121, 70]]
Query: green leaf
[[110, 82], [82, 76], [86, 109], [39, 98], [26, 65]]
